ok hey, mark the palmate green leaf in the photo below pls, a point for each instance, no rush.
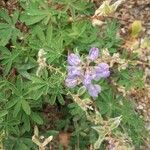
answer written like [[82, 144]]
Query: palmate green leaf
[[75, 6], [107, 103], [130, 78], [8, 58], [56, 50], [82, 33], [78, 29], [53, 45], [34, 14], [79, 5], [38, 88], [9, 31], [26, 107]]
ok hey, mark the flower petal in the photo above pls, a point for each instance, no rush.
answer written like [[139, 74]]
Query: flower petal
[[71, 82], [94, 90], [102, 71], [73, 59], [74, 70]]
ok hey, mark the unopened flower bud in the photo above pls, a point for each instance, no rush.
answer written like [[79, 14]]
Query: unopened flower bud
[[93, 53], [73, 59]]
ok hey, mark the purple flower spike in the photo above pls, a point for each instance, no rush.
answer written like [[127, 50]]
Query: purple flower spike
[[73, 59], [102, 71], [71, 82], [74, 71], [94, 90], [85, 72], [93, 53]]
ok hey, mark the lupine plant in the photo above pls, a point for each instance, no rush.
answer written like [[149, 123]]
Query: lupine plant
[[61, 74]]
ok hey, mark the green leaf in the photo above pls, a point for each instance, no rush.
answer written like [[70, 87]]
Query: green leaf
[[36, 95], [11, 103], [30, 20], [20, 145], [5, 16], [3, 113], [9, 31], [40, 34], [81, 90], [5, 36], [52, 99], [36, 118], [61, 99], [49, 34], [4, 26], [8, 67], [26, 107], [26, 121], [17, 109], [15, 16]]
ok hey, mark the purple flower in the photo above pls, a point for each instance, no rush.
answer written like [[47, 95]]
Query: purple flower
[[74, 71], [87, 79], [94, 90], [85, 72], [73, 59], [71, 82], [102, 71], [93, 53]]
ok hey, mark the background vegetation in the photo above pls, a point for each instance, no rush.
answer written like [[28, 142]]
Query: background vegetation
[[28, 99]]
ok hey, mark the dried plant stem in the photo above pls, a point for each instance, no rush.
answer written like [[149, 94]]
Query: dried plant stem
[[37, 140]]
